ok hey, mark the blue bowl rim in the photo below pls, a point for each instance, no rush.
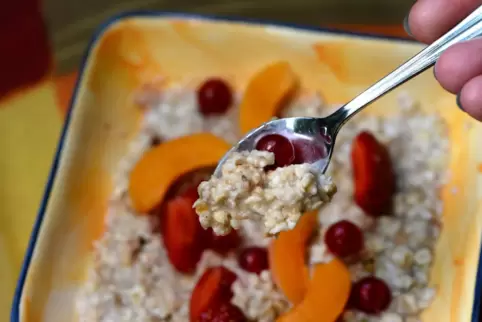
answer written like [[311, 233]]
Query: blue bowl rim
[[15, 311]]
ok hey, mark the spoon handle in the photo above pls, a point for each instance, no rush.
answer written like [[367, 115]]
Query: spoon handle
[[469, 28]]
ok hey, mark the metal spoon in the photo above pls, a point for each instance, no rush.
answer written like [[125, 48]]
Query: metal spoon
[[323, 131]]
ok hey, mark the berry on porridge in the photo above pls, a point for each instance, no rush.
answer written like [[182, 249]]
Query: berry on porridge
[[365, 257], [253, 259], [282, 148], [214, 97]]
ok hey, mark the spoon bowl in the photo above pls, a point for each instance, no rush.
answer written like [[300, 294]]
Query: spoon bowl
[[316, 133]]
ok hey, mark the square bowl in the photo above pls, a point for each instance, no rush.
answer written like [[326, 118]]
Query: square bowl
[[133, 49]]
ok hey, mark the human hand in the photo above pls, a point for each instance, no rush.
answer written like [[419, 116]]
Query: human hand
[[459, 69]]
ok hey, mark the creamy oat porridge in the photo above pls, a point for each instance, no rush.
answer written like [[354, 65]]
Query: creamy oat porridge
[[274, 198], [365, 257]]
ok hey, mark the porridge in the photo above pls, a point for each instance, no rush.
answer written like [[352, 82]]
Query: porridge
[[365, 257], [246, 190]]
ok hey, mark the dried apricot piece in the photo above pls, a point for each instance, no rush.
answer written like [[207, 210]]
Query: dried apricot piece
[[162, 165], [326, 297], [267, 90], [287, 258]]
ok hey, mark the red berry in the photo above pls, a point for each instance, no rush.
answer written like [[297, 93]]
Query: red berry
[[371, 295], [254, 259], [225, 312], [284, 152], [344, 239], [223, 244], [214, 97]]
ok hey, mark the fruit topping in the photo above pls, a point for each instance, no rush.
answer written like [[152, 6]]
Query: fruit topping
[[225, 312], [327, 295], [282, 148], [344, 239], [373, 175], [162, 165], [371, 295], [214, 97], [265, 95], [253, 259], [211, 290], [292, 275], [182, 234]]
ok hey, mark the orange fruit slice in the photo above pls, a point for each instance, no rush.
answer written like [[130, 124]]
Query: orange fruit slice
[[265, 94], [159, 167]]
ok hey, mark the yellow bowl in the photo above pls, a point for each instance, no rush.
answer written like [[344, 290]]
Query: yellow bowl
[[136, 48]]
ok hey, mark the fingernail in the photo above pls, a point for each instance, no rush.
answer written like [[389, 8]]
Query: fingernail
[[459, 104], [406, 26]]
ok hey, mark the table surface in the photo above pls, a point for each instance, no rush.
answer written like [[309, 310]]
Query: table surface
[[30, 123]]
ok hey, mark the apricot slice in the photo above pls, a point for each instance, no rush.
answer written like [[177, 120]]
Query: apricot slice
[[326, 297], [162, 165], [264, 95], [287, 258]]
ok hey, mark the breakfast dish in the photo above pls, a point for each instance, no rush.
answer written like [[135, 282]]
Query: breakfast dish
[[366, 256]]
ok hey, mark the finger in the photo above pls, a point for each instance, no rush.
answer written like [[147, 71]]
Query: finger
[[459, 64], [470, 98], [430, 19]]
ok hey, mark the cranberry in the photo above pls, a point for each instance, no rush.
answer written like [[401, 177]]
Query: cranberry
[[254, 259], [223, 244], [371, 295], [344, 239], [225, 312], [214, 97], [283, 150]]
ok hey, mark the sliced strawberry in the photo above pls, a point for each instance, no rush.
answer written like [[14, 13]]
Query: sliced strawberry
[[182, 234], [212, 289], [207, 235], [225, 312], [224, 244], [373, 175]]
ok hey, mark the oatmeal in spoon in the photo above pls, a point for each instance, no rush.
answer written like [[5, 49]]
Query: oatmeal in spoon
[[252, 187]]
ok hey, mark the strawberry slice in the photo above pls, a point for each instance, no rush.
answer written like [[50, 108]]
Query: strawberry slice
[[225, 312], [211, 290], [373, 175], [182, 234]]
